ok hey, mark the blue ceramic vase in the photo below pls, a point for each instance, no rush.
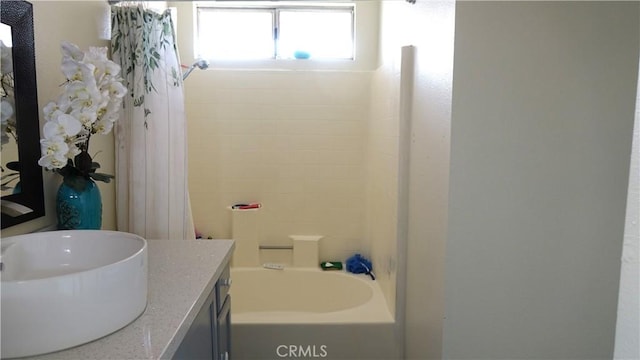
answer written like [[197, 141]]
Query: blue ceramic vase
[[79, 207]]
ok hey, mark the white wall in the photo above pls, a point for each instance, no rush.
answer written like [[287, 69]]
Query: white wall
[[628, 325], [428, 25], [543, 108]]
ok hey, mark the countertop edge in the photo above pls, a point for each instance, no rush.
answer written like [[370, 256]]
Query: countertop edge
[[172, 346]]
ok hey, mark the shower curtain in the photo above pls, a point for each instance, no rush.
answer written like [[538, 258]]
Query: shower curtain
[[151, 148]]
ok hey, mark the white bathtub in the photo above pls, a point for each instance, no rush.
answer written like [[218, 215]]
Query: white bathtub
[[308, 313]]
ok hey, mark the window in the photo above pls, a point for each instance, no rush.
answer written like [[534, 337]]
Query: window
[[259, 30]]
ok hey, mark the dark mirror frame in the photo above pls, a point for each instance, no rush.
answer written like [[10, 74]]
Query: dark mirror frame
[[19, 15]]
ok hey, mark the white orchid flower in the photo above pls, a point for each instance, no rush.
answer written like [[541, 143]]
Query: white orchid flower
[[51, 110], [112, 69], [105, 99], [117, 90], [103, 126], [54, 152], [63, 104], [52, 162], [78, 71], [96, 55], [81, 89], [4, 123], [71, 69], [71, 50], [6, 59], [6, 110], [86, 116], [98, 58], [112, 110], [54, 145], [62, 125], [83, 94], [89, 104], [73, 149]]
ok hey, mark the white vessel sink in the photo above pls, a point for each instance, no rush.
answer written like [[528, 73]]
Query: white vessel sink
[[65, 288]]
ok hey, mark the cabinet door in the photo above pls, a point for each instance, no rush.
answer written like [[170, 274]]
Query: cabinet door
[[224, 330], [198, 343]]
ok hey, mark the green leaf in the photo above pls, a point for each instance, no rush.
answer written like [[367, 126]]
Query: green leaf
[[83, 162], [139, 101], [116, 43], [13, 165], [106, 178]]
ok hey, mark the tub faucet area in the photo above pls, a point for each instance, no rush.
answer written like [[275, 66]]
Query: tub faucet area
[[306, 250], [245, 230]]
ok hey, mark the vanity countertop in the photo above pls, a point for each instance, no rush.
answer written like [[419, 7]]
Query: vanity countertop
[[181, 275]]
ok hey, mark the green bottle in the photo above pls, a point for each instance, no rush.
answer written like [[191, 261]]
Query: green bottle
[[331, 265]]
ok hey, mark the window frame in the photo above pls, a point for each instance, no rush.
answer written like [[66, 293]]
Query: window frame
[[275, 8]]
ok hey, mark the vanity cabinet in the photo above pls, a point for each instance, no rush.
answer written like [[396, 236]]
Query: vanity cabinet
[[223, 317], [209, 336], [198, 342]]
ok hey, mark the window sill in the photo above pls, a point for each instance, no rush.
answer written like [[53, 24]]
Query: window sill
[[292, 65]]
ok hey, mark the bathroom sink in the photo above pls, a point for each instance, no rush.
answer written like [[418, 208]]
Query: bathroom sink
[[60, 289]]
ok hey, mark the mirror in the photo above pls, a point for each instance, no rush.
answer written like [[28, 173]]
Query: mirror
[[9, 147], [23, 197]]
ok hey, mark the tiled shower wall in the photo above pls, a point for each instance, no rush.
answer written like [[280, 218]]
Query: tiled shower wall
[[382, 176], [291, 140]]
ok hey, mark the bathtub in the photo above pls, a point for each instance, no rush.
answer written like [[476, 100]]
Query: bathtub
[[309, 313]]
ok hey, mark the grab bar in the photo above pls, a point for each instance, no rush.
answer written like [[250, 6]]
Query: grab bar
[[275, 247]]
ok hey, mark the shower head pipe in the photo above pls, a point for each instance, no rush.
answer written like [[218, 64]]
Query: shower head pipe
[[200, 63]]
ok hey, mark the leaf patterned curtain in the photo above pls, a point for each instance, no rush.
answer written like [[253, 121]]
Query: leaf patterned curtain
[[151, 147]]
